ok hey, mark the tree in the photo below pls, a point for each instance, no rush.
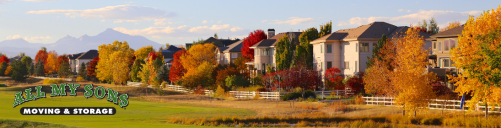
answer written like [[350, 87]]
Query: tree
[[143, 52], [39, 68], [478, 57], [27, 61], [201, 76], [177, 70], [3, 67], [334, 79], [85, 75], [215, 35], [253, 38], [306, 79], [356, 83], [223, 74], [136, 68], [233, 81], [163, 73], [375, 52], [325, 29], [91, 69], [64, 69], [62, 59], [377, 79], [4, 59], [451, 26], [197, 55], [42, 55], [107, 64], [424, 24], [51, 65], [8, 70], [81, 69], [284, 52], [409, 76], [304, 51], [31, 70], [433, 27]]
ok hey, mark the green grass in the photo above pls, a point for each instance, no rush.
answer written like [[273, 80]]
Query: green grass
[[139, 113]]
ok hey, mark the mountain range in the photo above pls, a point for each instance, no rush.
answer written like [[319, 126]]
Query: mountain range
[[71, 45]]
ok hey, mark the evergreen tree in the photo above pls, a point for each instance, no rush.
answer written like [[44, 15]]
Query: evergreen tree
[[39, 68], [64, 69], [304, 51], [3, 67], [163, 73], [81, 69], [19, 70], [31, 70], [136, 68], [433, 27], [284, 53], [84, 75], [375, 53]]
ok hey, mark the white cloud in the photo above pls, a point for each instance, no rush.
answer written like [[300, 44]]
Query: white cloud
[[160, 21], [409, 11], [41, 38], [295, 21], [440, 16], [219, 21], [103, 20], [205, 21], [3, 1], [400, 10], [13, 37], [264, 21], [185, 31], [38, 0], [129, 13]]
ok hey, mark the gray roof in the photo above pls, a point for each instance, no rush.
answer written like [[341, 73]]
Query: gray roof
[[274, 40], [453, 32], [235, 47], [89, 55]]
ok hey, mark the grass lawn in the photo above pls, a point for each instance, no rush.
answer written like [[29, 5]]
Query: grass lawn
[[139, 113]]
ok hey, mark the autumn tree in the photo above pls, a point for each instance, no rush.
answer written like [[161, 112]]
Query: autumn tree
[[199, 64], [451, 26], [91, 69], [284, 52], [177, 70], [306, 79], [4, 59], [42, 55], [356, 83], [143, 52], [62, 59], [409, 76], [325, 29], [253, 38], [51, 65], [478, 56], [8, 70], [200, 76], [375, 52], [109, 62], [223, 74], [334, 79]]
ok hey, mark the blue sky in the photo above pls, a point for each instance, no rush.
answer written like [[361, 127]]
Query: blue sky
[[182, 21]]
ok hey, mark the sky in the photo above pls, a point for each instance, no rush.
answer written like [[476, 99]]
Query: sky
[[183, 21]]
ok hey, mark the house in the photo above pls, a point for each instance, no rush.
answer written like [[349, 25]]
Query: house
[[443, 42], [169, 54], [264, 51], [227, 55], [216, 42], [85, 58], [349, 49], [73, 62], [18, 58]]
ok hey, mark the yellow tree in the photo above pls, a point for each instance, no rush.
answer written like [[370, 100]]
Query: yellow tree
[[104, 68], [478, 57], [143, 52], [198, 54], [451, 25], [120, 67], [409, 77], [51, 65]]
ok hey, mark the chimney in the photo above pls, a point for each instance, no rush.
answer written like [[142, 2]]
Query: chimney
[[271, 33]]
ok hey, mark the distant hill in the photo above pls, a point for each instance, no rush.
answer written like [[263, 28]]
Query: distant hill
[[70, 45]]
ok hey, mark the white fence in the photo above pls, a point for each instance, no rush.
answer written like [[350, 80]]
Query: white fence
[[65, 79], [177, 88], [434, 104], [331, 92]]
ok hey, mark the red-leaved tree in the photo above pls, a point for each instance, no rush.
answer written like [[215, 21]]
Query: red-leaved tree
[[42, 55], [356, 83], [91, 68], [292, 78], [177, 70], [333, 79], [253, 38], [4, 59], [61, 59]]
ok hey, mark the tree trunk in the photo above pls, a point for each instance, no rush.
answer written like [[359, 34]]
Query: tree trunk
[[414, 113], [486, 110]]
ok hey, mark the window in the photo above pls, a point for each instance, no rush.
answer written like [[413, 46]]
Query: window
[[329, 65], [435, 45], [440, 46], [256, 52], [364, 47], [346, 65], [227, 55], [440, 62], [234, 55], [448, 63], [329, 48], [321, 49], [452, 43], [356, 66], [321, 66], [265, 52], [446, 45]]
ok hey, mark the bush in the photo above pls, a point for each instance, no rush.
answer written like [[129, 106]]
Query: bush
[[296, 95], [80, 78], [52, 81]]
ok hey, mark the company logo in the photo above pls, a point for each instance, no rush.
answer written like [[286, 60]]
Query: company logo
[[99, 92]]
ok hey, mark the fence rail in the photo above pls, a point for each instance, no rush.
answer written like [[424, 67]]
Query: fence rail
[[434, 104]]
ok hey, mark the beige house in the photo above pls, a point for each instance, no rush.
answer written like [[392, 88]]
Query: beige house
[[85, 58], [349, 49], [443, 42], [264, 51], [227, 55]]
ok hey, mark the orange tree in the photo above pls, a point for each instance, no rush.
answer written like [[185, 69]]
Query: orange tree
[[51, 65], [199, 64], [478, 56], [377, 76], [409, 77]]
